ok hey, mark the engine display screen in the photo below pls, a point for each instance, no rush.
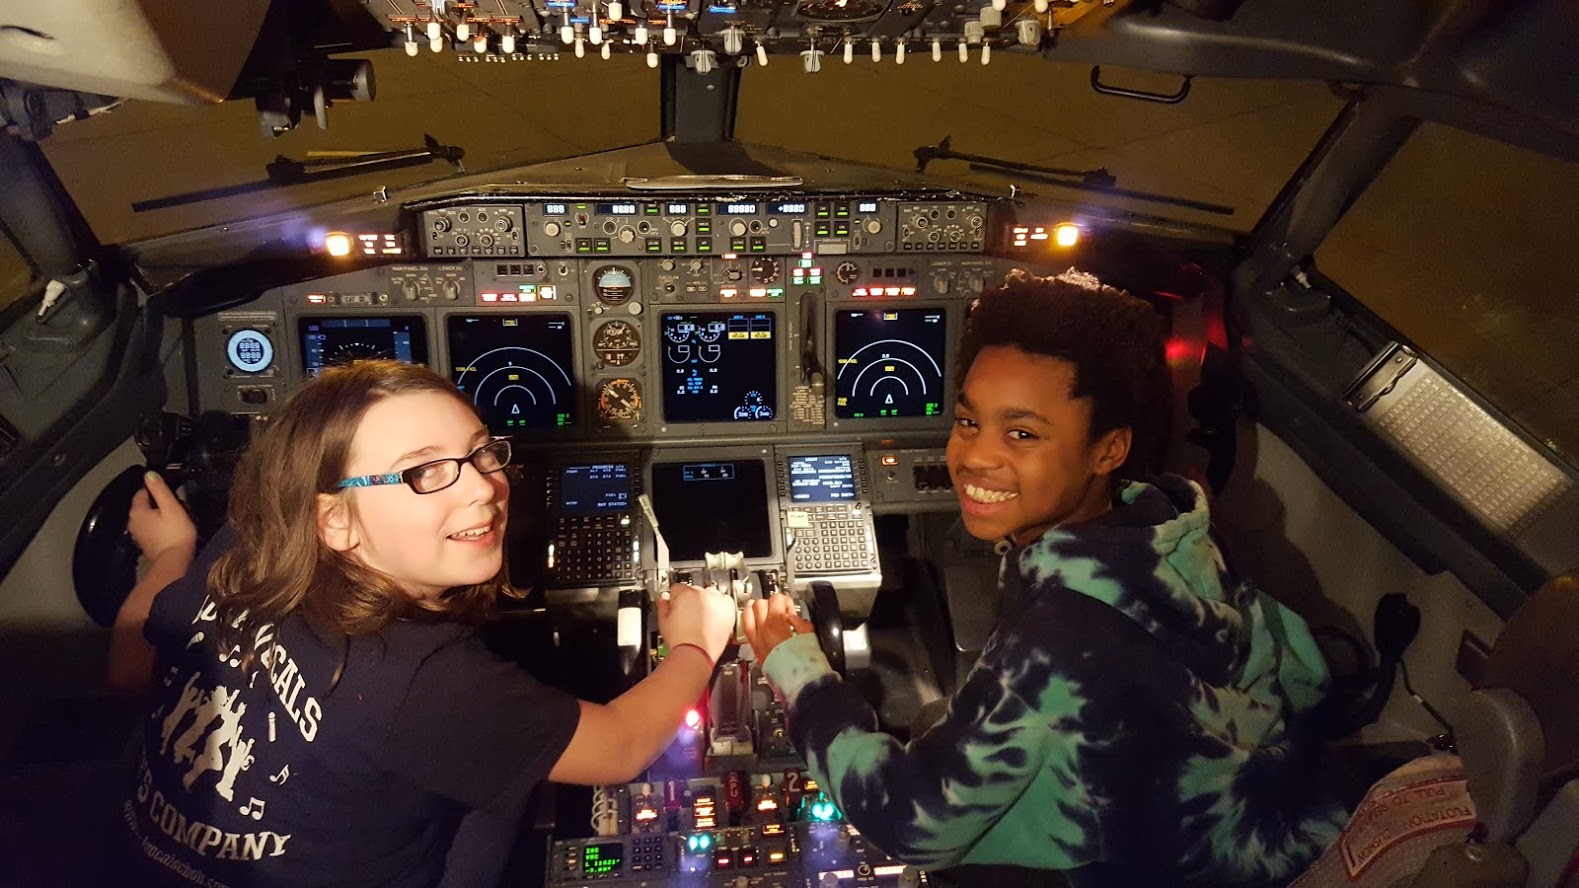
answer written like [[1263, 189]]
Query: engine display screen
[[602, 858], [517, 369], [890, 362], [719, 366], [712, 507], [821, 479], [598, 489], [330, 341]]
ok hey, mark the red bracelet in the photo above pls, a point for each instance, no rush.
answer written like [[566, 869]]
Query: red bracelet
[[699, 649]]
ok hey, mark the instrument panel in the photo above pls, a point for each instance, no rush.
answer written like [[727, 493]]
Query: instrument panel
[[682, 318]]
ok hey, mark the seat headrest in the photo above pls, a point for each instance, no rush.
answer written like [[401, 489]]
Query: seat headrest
[[1537, 655]]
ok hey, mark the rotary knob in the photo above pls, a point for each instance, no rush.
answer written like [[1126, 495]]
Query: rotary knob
[[677, 228], [551, 229], [695, 265], [874, 226], [627, 235], [666, 264], [441, 224], [451, 289], [502, 224], [737, 227], [408, 289]]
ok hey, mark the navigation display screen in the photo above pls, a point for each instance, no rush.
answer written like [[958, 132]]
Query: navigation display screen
[[517, 369], [600, 489], [719, 366], [821, 479], [890, 362], [330, 341], [712, 507]]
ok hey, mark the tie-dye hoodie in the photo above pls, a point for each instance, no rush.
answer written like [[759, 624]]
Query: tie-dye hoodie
[[1129, 718]]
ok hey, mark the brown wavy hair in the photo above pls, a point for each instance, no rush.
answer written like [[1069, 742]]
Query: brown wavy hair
[[278, 564]]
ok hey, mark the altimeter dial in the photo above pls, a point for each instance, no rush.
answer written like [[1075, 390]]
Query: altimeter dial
[[616, 343]]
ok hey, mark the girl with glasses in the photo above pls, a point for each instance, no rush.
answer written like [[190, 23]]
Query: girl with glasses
[[323, 709]]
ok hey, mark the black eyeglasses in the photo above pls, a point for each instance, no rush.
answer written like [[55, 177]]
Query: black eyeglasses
[[432, 477]]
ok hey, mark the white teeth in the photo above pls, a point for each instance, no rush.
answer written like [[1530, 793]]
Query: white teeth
[[983, 495], [472, 534]]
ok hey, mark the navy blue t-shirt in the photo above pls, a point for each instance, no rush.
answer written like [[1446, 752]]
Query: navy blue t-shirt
[[270, 776]]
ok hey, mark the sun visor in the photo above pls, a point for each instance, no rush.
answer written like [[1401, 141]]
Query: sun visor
[[187, 53]]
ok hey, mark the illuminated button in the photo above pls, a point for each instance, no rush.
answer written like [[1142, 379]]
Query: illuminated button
[[600, 245], [890, 460], [583, 245], [338, 244], [704, 245], [759, 244], [677, 245], [655, 245]]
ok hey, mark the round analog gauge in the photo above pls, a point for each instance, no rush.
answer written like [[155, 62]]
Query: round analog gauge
[[619, 400], [840, 10], [847, 272], [764, 269], [613, 284], [616, 343]]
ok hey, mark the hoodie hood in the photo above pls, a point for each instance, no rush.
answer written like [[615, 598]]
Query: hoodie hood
[[1153, 559]]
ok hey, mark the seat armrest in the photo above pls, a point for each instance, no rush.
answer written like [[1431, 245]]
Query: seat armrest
[[1502, 747]]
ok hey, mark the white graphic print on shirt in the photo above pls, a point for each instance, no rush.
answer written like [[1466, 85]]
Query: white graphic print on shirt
[[206, 730]]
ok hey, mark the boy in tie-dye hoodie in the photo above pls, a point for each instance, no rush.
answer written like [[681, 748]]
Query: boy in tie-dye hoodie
[[1135, 717]]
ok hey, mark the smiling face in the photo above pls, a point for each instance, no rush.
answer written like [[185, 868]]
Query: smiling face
[[1019, 454], [428, 543]]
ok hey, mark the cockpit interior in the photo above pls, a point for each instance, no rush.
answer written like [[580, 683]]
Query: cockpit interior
[[733, 361]]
